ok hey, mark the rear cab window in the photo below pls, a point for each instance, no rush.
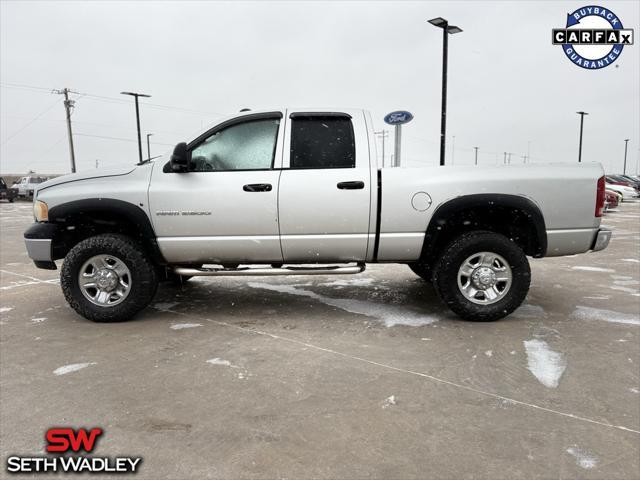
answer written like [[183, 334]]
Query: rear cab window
[[322, 141]]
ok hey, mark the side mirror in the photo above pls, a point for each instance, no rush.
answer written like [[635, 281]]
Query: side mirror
[[181, 158]]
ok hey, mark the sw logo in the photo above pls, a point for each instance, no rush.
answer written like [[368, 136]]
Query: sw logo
[[593, 37], [66, 440]]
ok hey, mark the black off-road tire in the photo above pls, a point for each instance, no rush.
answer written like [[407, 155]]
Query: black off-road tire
[[422, 270], [445, 275], [144, 279]]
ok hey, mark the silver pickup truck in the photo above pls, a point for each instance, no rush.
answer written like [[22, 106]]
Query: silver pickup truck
[[299, 192]]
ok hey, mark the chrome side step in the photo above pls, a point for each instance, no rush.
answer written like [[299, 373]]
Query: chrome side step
[[263, 271]]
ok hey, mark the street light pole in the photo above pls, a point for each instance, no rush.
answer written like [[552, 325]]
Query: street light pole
[[476, 154], [446, 30], [148, 146], [624, 168], [136, 95], [582, 114]]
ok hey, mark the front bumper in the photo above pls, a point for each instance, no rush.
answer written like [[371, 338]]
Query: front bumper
[[602, 239], [39, 239]]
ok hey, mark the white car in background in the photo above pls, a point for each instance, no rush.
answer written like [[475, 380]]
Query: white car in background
[[627, 192], [27, 185]]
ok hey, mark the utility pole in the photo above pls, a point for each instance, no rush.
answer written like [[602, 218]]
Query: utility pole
[[383, 134], [148, 146], [68, 105], [97, 162], [505, 158], [136, 95], [624, 168], [476, 148], [582, 114], [509, 159]]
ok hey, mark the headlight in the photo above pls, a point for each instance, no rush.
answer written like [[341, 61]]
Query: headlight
[[40, 211]]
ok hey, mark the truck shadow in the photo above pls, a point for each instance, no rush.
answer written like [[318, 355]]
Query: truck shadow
[[389, 302]]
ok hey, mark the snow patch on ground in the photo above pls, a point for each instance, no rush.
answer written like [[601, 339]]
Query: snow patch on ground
[[182, 326], [241, 375], [164, 306], [389, 401], [219, 361], [592, 269], [5, 309], [631, 260], [391, 315], [628, 290], [355, 282], [545, 364], [589, 313], [583, 459], [38, 320], [489, 353], [634, 390], [74, 367]]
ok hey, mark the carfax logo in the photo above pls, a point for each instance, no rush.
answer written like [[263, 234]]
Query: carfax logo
[[593, 37], [69, 443]]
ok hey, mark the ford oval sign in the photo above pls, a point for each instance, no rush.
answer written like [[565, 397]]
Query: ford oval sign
[[398, 118]]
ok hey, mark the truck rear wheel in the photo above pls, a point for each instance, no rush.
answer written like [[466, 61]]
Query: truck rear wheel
[[108, 278], [482, 276]]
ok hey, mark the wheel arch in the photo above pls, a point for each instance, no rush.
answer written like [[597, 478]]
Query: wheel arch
[[80, 219], [514, 216]]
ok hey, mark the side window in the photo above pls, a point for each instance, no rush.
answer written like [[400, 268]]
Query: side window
[[322, 142], [245, 146]]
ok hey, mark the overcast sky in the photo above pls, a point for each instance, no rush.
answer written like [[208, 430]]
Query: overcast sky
[[508, 85]]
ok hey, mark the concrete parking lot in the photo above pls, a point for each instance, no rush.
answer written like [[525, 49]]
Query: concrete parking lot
[[335, 377]]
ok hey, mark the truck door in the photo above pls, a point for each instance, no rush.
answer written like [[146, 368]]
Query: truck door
[[325, 188], [225, 209]]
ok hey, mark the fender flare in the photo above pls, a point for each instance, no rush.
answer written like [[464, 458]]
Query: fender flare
[[450, 208], [117, 208]]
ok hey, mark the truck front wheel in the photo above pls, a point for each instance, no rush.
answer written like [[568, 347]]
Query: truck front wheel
[[482, 276], [108, 278]]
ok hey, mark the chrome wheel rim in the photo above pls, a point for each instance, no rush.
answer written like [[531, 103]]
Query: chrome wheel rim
[[484, 278], [104, 280]]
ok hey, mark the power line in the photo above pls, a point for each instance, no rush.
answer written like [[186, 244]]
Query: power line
[[95, 124], [30, 122], [108, 99], [105, 137]]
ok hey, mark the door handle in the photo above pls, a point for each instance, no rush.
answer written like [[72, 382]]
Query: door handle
[[257, 187], [351, 185]]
